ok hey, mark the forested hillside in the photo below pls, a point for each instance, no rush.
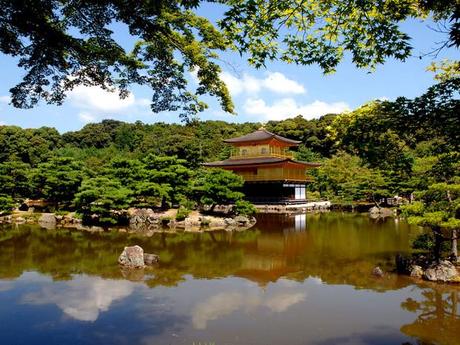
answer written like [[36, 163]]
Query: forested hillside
[[380, 149]]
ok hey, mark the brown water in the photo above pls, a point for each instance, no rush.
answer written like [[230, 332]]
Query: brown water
[[290, 280]]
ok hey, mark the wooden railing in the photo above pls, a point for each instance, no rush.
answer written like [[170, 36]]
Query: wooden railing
[[278, 155], [289, 175]]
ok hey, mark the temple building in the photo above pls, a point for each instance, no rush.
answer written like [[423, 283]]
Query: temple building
[[269, 170]]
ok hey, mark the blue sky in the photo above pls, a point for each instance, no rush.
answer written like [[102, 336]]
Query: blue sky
[[277, 92]]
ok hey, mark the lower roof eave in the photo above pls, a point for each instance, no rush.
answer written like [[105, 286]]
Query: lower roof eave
[[279, 181]]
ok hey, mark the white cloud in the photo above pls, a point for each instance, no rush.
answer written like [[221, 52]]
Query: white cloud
[[83, 298], [97, 99], [282, 302], [225, 303], [95, 103], [275, 82], [245, 84], [86, 117], [217, 306], [289, 107], [279, 83], [5, 99]]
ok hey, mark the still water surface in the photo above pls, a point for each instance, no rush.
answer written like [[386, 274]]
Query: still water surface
[[290, 280]]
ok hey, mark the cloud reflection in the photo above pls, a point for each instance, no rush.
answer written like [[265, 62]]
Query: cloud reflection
[[224, 304], [83, 298], [6, 285]]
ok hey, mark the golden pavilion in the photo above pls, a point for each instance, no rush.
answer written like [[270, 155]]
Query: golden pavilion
[[270, 172]]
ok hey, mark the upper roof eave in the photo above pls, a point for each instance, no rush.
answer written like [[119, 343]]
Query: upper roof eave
[[256, 161], [261, 135]]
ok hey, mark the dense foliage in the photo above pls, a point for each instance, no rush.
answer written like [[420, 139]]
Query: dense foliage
[[107, 167], [64, 44]]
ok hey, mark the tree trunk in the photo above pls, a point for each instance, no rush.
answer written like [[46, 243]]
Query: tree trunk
[[377, 204], [454, 246], [438, 239], [164, 204]]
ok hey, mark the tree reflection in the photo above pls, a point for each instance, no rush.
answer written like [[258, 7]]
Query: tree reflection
[[339, 249], [438, 317]]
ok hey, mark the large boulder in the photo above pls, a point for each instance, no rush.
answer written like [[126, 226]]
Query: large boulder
[[142, 216], [242, 220], [47, 220], [443, 271], [132, 257]]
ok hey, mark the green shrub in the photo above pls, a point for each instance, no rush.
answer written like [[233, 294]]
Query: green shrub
[[244, 208], [182, 213], [423, 242], [165, 220], [314, 196], [426, 242], [187, 204], [414, 209], [78, 215], [6, 204], [61, 213]]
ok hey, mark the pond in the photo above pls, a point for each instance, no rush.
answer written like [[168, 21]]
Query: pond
[[303, 279]]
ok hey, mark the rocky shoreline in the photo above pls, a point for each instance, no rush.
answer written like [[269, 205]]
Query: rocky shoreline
[[420, 266], [145, 221]]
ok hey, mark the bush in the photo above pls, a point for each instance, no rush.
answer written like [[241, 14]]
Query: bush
[[187, 204], [415, 209], [182, 213], [244, 208], [165, 220], [423, 242], [426, 242], [102, 197], [314, 196], [61, 213], [6, 204]]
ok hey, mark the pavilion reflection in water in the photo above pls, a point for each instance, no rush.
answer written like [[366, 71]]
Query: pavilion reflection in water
[[275, 250]]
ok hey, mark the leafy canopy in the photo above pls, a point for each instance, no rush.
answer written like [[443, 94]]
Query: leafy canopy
[[57, 180], [62, 44], [218, 187], [101, 196], [345, 178], [6, 204]]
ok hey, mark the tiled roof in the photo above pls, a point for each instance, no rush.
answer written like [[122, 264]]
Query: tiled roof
[[261, 135], [252, 161]]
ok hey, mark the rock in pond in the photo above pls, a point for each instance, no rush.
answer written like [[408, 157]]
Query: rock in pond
[[416, 271], [132, 257], [377, 272], [380, 212], [443, 271], [151, 259]]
